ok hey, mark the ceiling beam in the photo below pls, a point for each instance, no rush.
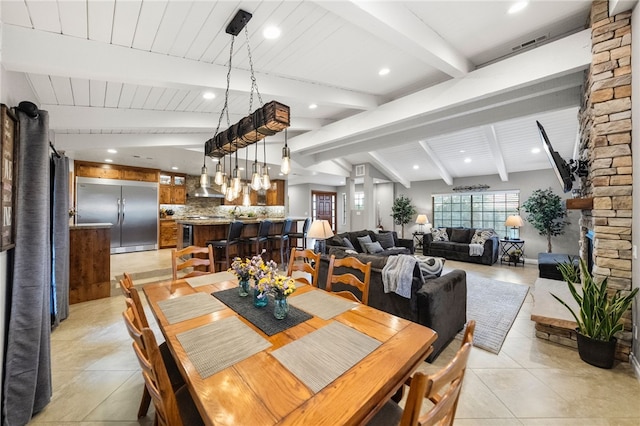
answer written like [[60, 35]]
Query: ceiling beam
[[77, 117], [396, 24], [496, 152], [390, 172], [40, 52], [442, 170], [517, 74]]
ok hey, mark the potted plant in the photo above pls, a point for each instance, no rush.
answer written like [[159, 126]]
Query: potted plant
[[546, 213], [599, 316], [402, 211]]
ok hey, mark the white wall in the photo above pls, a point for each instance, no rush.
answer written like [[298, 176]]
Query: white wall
[[420, 194], [635, 147]]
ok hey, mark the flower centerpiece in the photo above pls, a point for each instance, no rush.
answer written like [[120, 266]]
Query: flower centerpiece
[[280, 286], [259, 270], [243, 270]]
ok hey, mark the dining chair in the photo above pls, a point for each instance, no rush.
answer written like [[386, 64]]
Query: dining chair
[[178, 264], [448, 381], [262, 237], [349, 279], [305, 261], [301, 235], [281, 240], [175, 377], [233, 239], [174, 407]]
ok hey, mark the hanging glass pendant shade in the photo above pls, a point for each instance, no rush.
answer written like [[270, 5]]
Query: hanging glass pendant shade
[[218, 176]]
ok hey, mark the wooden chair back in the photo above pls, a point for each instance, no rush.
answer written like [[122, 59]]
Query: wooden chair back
[[427, 386], [178, 264], [310, 264], [349, 278], [126, 283], [154, 371]]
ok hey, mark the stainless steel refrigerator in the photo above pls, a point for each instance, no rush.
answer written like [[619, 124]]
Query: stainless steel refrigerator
[[130, 206]]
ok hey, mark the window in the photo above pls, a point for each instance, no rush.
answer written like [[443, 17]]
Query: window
[[359, 200], [482, 210]]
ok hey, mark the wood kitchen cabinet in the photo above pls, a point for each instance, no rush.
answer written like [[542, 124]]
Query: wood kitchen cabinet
[[275, 194], [173, 188], [168, 233], [114, 171]]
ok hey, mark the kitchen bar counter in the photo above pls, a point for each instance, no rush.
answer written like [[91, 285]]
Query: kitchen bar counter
[[203, 230]]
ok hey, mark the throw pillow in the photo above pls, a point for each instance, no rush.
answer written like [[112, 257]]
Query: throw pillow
[[362, 241], [431, 267], [336, 241], [373, 247], [385, 239], [482, 235], [347, 243], [460, 235], [439, 234]]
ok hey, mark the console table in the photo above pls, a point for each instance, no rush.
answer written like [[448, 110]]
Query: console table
[[506, 246]]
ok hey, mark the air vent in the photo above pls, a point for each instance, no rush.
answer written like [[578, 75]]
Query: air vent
[[360, 170], [530, 43]]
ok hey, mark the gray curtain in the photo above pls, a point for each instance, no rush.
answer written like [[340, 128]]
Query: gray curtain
[[27, 380], [60, 237]]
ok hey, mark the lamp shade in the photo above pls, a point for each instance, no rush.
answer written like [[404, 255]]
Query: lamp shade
[[320, 230], [514, 221], [422, 219]]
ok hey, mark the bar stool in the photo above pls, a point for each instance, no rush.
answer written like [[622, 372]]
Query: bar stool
[[301, 235], [233, 238], [282, 239], [262, 238]]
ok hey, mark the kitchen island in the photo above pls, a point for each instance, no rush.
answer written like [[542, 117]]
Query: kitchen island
[[198, 231]]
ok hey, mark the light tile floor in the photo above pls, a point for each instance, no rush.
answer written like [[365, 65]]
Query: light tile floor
[[96, 380]]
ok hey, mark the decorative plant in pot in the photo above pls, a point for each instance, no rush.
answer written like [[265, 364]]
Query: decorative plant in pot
[[402, 211], [546, 213], [599, 318]]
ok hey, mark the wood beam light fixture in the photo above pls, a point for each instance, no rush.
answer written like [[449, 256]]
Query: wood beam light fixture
[[267, 120]]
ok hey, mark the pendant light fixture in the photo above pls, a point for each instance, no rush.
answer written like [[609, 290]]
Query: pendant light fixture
[[266, 181], [217, 179], [285, 167], [256, 180], [204, 177]]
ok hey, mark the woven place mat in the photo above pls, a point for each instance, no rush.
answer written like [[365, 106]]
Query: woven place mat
[[216, 277], [322, 356], [189, 306], [261, 317], [322, 304], [218, 345]]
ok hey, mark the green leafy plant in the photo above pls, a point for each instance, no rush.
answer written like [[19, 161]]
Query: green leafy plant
[[569, 270], [402, 211], [546, 213], [600, 312]]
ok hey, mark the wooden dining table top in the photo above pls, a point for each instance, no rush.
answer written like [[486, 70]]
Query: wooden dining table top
[[259, 390]]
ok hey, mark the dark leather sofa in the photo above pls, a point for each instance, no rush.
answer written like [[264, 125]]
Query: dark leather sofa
[[440, 304], [458, 249]]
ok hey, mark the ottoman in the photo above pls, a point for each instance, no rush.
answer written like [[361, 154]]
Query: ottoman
[[548, 264]]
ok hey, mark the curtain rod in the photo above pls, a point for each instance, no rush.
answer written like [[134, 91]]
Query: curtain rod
[[54, 149]]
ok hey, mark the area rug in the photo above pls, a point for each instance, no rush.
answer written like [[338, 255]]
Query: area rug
[[494, 306]]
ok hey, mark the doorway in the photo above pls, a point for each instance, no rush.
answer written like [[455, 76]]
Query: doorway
[[323, 207]]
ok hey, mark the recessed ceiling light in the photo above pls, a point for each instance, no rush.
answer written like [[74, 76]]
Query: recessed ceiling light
[[416, 167], [384, 71], [112, 151], [108, 160], [518, 6], [462, 151], [535, 150], [271, 32], [467, 160], [209, 95], [174, 168], [313, 106]]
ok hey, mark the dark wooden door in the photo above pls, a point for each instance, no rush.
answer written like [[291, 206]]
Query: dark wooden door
[[325, 207]]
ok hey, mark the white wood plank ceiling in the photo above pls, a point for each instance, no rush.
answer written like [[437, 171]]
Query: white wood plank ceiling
[[130, 74]]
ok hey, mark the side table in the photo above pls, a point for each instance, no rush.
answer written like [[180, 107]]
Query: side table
[[418, 240], [507, 247]]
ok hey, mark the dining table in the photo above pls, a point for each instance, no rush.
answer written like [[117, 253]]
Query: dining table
[[331, 361]]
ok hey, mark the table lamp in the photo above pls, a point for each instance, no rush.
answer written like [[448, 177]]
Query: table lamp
[[320, 230], [514, 222], [422, 220]]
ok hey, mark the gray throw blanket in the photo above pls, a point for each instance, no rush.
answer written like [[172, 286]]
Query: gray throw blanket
[[397, 274], [476, 249]]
